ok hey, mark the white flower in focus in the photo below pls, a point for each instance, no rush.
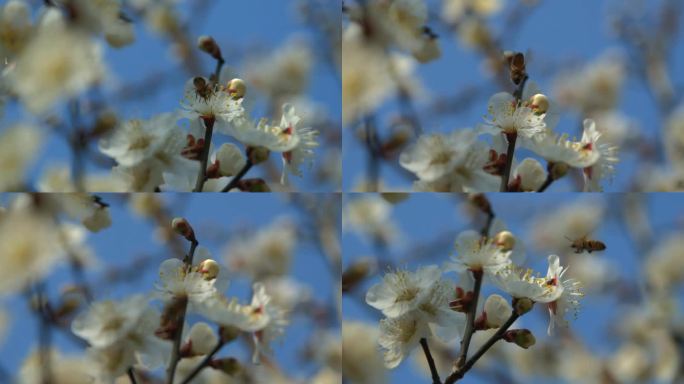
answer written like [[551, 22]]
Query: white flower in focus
[[138, 140], [475, 253], [57, 64], [402, 291], [264, 254], [303, 150], [400, 335], [121, 334], [436, 155], [203, 280], [559, 149], [30, 247], [19, 145], [275, 326], [605, 165], [507, 116], [204, 100]]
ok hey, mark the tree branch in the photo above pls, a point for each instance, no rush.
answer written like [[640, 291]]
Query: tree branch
[[470, 319], [431, 361], [204, 156], [236, 179], [204, 363]]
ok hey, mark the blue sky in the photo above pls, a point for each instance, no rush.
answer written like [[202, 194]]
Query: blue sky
[[575, 30], [131, 236], [239, 27], [424, 218]]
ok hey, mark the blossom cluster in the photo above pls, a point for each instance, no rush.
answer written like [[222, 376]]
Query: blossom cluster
[[422, 304]]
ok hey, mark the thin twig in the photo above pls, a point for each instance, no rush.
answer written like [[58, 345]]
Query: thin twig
[[512, 137], [180, 320], [461, 371], [236, 179], [204, 363], [204, 156], [470, 319], [431, 361], [547, 182], [131, 375]]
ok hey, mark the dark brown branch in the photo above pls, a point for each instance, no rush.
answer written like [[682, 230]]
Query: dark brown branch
[[204, 363], [431, 361], [470, 319], [236, 179]]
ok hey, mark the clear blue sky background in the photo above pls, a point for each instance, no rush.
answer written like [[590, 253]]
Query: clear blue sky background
[[131, 236], [577, 30], [424, 218], [239, 27]]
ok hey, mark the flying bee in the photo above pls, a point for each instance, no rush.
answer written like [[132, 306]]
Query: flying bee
[[516, 66], [202, 87], [584, 244]]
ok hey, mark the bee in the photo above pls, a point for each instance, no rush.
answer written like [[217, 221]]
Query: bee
[[516, 66], [202, 87], [584, 244]]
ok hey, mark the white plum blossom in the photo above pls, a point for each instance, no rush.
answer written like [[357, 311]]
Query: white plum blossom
[[605, 164], [18, 145], [561, 296], [399, 336], [121, 334], [507, 115], [475, 253], [201, 281], [276, 322], [403, 291]]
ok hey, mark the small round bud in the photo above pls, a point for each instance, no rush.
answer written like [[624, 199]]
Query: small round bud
[[395, 197], [209, 269], [183, 228], [257, 155], [99, 220], [228, 333], [228, 365], [428, 51], [355, 274], [521, 337], [202, 339], [558, 170], [208, 44], [539, 103], [237, 89], [105, 123], [504, 240], [522, 306], [230, 158], [498, 311]]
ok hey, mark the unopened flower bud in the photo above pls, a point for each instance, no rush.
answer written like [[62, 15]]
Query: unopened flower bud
[[237, 89], [230, 158], [504, 240], [183, 228], [558, 170], [429, 50], [208, 45], [229, 333], [395, 197], [104, 123], [498, 311], [99, 220], [229, 365], [522, 306], [539, 103], [257, 155], [480, 201], [521, 337], [253, 185], [209, 269], [202, 339], [355, 273]]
